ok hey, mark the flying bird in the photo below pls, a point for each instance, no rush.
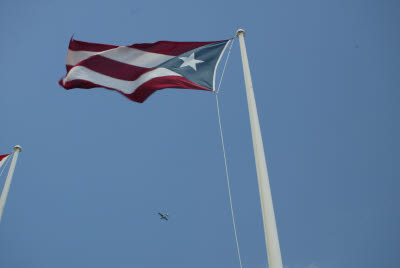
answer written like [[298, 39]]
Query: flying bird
[[163, 217]]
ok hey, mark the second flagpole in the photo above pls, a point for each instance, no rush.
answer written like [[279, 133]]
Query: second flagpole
[[270, 230], [3, 197]]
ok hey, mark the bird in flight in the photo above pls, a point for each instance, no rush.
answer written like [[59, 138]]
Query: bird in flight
[[163, 217]]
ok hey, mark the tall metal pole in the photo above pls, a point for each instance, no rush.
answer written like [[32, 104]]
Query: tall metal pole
[[271, 233], [3, 197]]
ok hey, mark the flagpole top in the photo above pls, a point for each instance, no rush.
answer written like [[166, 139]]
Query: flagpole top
[[239, 32], [17, 147]]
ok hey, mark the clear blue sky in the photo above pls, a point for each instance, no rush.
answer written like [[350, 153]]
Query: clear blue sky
[[96, 168]]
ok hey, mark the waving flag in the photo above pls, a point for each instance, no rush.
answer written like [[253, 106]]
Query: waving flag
[[3, 159], [139, 70]]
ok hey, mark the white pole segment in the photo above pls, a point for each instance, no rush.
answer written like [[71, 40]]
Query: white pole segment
[[271, 233], [3, 197]]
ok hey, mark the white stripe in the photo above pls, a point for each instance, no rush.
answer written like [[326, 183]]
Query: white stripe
[[127, 87], [122, 54], [3, 160], [73, 57]]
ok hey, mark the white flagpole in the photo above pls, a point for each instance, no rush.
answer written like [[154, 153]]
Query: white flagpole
[[270, 231], [3, 197]]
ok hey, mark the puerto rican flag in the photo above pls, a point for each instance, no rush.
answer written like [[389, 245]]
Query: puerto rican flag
[[3, 159], [138, 70]]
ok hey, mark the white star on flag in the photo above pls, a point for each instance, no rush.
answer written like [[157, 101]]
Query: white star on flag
[[190, 61]]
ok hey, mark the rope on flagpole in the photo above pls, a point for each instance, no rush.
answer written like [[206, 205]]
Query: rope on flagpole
[[224, 151], [227, 179], [226, 61], [5, 163]]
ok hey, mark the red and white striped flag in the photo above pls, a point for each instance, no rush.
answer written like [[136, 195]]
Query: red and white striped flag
[[139, 70], [3, 159]]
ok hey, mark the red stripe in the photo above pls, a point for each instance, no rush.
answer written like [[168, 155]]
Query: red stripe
[[145, 90], [148, 88], [3, 156], [86, 46], [78, 83], [112, 68], [162, 47], [170, 48]]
